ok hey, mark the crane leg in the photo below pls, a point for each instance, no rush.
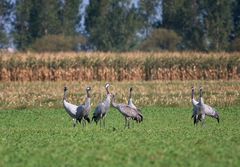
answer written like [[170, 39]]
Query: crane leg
[[74, 122], [203, 120], [104, 125], [83, 122], [100, 122], [128, 123], [125, 122]]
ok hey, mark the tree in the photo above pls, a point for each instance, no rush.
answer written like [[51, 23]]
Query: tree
[[70, 16], [5, 7], [236, 18], [204, 25], [37, 18], [217, 23], [183, 16], [235, 35], [161, 39], [112, 25], [148, 11], [56, 43]]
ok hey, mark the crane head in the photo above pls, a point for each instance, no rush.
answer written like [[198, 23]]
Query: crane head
[[65, 89], [88, 88], [107, 85], [131, 89]]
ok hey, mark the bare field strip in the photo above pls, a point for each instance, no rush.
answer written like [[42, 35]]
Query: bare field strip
[[22, 95]]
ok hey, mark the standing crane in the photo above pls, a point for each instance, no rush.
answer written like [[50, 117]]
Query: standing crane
[[128, 112], [130, 103], [206, 110], [195, 108], [102, 108], [76, 112], [87, 107]]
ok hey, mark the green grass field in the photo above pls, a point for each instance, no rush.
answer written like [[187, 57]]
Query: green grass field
[[167, 137]]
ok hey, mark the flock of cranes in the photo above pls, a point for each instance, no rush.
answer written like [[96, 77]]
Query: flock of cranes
[[80, 113]]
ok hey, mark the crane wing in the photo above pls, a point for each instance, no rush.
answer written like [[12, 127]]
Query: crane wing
[[70, 108], [194, 102]]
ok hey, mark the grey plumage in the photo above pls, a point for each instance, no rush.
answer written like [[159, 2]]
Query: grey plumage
[[195, 105], [86, 107], [206, 110], [78, 113], [102, 108], [130, 101], [128, 112]]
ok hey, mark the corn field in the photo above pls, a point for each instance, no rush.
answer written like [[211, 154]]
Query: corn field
[[137, 66]]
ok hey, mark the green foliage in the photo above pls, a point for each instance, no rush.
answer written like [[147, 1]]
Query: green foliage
[[3, 38], [204, 25], [236, 26], [182, 16], [5, 10], [166, 137], [235, 45], [55, 43], [217, 23], [112, 25], [69, 16], [148, 11], [37, 18], [28, 22], [161, 39]]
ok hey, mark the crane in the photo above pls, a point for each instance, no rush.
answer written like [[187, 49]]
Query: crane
[[102, 108], [195, 105], [206, 110], [74, 111], [128, 112]]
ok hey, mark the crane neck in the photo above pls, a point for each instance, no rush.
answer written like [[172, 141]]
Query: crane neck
[[130, 101], [64, 95], [108, 100], [192, 93], [201, 101], [130, 94], [113, 103], [88, 94], [87, 101], [107, 90], [200, 97]]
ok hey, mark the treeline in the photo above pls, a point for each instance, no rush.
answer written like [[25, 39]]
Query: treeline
[[126, 25], [102, 66]]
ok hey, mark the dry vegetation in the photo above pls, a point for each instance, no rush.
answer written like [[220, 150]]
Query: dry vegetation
[[162, 93], [170, 76], [119, 66]]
